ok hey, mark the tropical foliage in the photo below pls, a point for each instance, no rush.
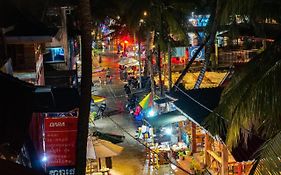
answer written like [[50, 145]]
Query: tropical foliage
[[250, 105]]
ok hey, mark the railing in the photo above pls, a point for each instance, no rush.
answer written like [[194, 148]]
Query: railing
[[241, 56], [239, 168]]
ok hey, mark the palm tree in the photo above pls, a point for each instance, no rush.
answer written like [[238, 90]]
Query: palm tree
[[251, 103], [165, 19], [214, 21], [86, 81]]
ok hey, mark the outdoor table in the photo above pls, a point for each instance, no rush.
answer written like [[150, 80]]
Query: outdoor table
[[104, 170], [179, 147]]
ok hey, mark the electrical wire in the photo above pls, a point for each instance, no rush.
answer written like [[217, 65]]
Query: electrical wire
[[159, 154], [212, 111]]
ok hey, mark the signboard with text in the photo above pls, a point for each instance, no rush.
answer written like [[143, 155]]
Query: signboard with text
[[60, 141], [192, 50], [61, 170]]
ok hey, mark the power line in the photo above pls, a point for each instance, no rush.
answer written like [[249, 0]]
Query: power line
[[212, 111], [159, 154]]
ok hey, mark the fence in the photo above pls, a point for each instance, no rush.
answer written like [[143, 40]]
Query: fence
[[241, 56]]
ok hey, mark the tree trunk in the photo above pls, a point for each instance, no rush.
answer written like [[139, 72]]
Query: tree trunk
[[214, 21], [159, 70], [139, 55], [188, 65], [169, 67], [3, 55], [150, 65], [149, 39], [86, 81]]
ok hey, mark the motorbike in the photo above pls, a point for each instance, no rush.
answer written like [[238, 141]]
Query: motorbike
[[132, 103], [133, 82]]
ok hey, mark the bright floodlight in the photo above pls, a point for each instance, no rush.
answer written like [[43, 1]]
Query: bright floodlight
[[168, 131], [151, 113], [44, 158]]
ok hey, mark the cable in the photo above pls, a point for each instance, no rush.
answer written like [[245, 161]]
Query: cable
[[212, 111], [159, 154]]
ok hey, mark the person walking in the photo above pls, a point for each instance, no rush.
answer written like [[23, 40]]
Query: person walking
[[100, 81], [107, 75], [101, 109], [100, 59]]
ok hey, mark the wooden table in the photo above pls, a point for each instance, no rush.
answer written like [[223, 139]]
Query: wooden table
[[104, 170]]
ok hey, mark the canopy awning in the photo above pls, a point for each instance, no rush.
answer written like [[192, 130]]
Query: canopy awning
[[98, 98], [163, 100], [165, 119], [98, 148], [127, 61]]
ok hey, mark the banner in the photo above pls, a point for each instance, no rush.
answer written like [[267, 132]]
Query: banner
[[60, 141], [192, 50]]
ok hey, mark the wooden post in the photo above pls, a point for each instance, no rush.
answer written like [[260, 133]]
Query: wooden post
[[239, 168], [224, 166], [193, 138], [206, 148], [99, 163], [180, 130]]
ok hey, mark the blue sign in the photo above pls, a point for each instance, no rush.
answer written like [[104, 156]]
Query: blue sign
[[68, 170], [192, 50], [199, 20]]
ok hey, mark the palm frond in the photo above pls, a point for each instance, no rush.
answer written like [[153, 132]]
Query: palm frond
[[252, 101], [269, 157]]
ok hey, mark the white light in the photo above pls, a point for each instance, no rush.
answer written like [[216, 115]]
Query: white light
[[44, 158], [168, 131], [151, 113]]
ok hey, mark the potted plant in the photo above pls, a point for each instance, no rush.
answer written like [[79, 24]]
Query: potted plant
[[181, 155], [191, 168]]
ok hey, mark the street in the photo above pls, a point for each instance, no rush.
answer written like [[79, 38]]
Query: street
[[132, 160]]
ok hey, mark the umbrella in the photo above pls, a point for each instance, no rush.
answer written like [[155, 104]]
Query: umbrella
[[128, 61], [97, 98], [114, 138], [98, 148], [147, 101]]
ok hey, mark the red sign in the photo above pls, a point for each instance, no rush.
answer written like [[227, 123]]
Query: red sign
[[60, 141]]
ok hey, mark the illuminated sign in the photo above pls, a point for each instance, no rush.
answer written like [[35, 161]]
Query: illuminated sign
[[60, 141], [199, 20], [192, 50]]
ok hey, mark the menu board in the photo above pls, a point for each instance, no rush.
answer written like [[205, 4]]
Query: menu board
[[60, 141]]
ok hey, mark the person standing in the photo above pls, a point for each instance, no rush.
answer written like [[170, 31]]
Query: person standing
[[125, 74]]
